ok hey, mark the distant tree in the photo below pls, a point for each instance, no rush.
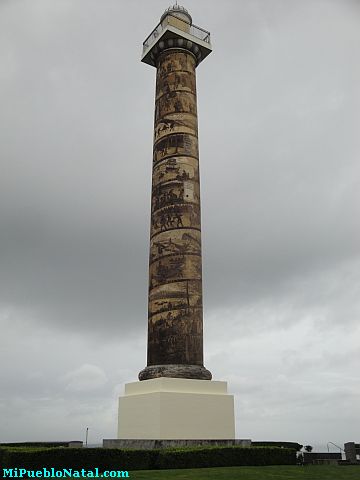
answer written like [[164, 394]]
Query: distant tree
[[308, 448]]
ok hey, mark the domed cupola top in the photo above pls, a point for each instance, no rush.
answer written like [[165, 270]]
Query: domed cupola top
[[179, 12]]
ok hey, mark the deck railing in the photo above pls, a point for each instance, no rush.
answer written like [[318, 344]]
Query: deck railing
[[179, 23]]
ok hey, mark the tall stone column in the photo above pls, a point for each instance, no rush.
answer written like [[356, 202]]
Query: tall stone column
[[175, 400], [175, 314]]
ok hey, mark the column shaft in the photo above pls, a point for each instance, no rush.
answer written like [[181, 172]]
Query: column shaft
[[175, 318]]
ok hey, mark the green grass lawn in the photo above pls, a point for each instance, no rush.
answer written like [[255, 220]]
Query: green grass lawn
[[321, 472]]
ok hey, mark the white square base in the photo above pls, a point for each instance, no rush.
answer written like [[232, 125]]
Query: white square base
[[176, 408]]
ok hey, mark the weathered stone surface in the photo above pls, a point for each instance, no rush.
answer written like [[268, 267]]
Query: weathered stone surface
[[175, 371], [175, 318]]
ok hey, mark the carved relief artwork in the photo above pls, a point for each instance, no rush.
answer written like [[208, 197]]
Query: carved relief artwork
[[175, 272], [175, 309], [177, 123], [175, 313], [173, 145], [176, 169]]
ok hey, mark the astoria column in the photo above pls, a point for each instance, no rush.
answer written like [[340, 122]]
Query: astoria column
[[176, 398], [175, 312]]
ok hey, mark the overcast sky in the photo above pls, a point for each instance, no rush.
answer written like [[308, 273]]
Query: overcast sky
[[279, 115]]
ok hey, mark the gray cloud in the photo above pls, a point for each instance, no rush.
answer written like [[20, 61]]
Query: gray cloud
[[279, 108]]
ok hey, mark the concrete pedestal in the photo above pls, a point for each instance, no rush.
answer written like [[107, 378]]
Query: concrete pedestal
[[175, 409]]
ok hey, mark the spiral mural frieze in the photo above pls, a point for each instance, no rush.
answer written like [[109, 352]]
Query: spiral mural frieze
[[175, 271]]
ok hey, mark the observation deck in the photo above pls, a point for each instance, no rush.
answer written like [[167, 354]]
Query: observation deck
[[176, 32]]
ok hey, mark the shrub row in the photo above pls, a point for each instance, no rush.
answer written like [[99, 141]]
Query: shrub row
[[224, 457], [35, 444], [116, 459], [294, 445]]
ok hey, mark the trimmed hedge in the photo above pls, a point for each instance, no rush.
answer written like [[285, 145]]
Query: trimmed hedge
[[77, 458], [117, 459], [35, 444], [293, 445], [203, 457]]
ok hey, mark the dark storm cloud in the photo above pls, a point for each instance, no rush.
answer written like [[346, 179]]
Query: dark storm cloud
[[70, 119], [279, 109], [279, 194], [284, 186]]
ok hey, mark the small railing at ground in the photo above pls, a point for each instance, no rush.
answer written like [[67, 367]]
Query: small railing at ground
[[337, 446], [173, 20]]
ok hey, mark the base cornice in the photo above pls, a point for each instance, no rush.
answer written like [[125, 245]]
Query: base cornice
[[197, 372]]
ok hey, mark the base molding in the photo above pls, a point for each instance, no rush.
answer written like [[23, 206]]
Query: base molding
[[176, 408], [159, 444], [197, 372]]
